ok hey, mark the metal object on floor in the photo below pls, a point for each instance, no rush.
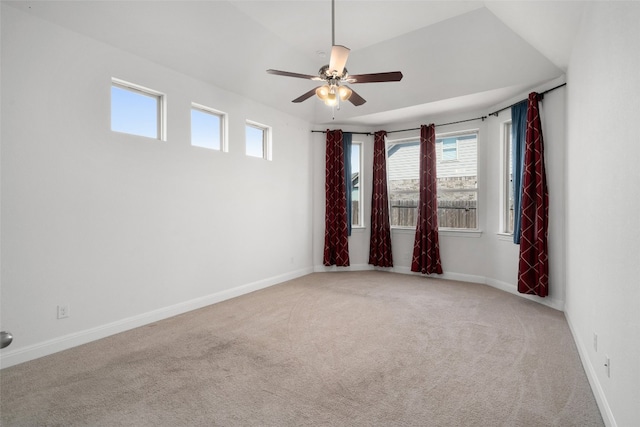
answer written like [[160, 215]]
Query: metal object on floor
[[5, 339]]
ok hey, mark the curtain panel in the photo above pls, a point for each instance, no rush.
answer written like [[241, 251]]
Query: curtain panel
[[426, 249], [533, 269], [380, 242], [518, 143], [336, 240]]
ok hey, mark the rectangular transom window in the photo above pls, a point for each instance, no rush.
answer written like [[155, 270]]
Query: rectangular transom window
[[258, 140], [208, 128], [136, 110], [457, 180]]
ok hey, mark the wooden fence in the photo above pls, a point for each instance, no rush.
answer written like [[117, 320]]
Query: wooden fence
[[451, 213]]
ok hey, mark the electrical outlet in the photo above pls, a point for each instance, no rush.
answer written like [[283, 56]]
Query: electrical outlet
[[595, 341], [607, 366], [63, 311]]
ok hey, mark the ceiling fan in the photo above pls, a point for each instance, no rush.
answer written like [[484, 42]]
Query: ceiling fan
[[334, 75]]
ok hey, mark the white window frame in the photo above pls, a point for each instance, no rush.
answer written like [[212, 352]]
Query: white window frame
[[462, 232], [505, 181], [224, 140], [266, 139], [464, 190], [161, 110], [361, 187], [442, 151]]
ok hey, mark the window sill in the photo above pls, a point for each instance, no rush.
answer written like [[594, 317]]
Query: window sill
[[507, 237], [461, 233], [472, 234]]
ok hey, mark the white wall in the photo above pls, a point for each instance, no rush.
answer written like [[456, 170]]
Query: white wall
[[603, 201], [125, 229], [485, 256]]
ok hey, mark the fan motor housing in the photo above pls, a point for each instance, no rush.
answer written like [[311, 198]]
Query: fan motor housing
[[327, 74]]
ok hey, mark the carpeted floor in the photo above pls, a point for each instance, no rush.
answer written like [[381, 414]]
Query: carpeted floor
[[339, 349]]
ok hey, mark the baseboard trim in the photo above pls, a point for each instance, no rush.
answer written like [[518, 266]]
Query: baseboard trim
[[333, 268], [460, 277], [513, 289], [596, 387], [35, 351]]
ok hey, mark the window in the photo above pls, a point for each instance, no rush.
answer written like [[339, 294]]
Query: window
[[208, 128], [136, 110], [457, 180], [449, 149], [356, 186], [507, 181], [258, 140]]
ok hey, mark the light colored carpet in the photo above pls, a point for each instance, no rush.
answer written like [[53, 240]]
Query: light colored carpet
[[340, 349]]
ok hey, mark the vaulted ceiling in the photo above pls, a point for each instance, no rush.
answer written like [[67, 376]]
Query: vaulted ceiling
[[456, 56]]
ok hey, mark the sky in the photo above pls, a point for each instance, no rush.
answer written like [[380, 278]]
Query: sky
[[134, 113]]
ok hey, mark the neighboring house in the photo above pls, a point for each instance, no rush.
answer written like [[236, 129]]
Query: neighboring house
[[457, 166]]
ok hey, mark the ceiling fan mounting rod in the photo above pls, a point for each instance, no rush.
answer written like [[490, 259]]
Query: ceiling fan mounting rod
[[333, 23]]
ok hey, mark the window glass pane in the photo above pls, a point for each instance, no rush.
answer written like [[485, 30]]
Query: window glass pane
[[355, 184], [205, 129], [509, 179], [457, 209], [403, 177], [404, 208], [255, 141], [457, 182], [134, 112]]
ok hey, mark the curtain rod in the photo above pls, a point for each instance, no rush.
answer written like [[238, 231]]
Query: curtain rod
[[405, 130], [495, 113], [442, 124], [355, 133]]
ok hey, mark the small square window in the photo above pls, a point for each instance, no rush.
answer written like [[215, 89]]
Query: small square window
[[257, 140], [449, 149], [207, 128], [136, 110]]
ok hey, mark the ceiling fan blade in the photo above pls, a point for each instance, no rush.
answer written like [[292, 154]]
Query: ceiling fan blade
[[290, 74], [338, 60], [305, 96], [392, 76], [356, 99]]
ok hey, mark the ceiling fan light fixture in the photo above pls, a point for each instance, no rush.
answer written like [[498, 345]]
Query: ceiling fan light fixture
[[331, 100], [344, 93], [323, 92]]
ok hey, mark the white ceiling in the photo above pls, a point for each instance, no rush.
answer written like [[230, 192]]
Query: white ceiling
[[455, 56]]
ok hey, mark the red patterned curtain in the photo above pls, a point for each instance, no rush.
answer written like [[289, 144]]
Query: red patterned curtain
[[380, 243], [426, 250], [336, 240], [533, 270]]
